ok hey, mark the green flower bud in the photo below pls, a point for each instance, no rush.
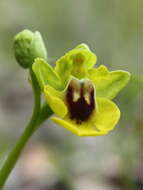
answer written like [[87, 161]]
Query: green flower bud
[[28, 46]]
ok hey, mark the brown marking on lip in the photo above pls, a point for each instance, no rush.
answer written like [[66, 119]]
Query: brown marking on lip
[[81, 109]]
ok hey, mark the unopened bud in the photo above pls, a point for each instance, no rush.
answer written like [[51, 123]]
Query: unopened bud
[[28, 46]]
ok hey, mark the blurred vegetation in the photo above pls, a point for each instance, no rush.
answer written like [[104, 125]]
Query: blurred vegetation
[[114, 31]]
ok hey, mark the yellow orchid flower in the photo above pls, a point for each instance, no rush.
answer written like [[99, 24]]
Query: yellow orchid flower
[[81, 101], [80, 111]]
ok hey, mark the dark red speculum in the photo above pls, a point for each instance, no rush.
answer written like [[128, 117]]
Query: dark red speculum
[[80, 97]]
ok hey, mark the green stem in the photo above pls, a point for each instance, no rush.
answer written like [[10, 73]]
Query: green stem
[[15, 153], [45, 113]]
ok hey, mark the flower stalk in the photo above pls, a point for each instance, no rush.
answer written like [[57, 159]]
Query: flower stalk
[[28, 132]]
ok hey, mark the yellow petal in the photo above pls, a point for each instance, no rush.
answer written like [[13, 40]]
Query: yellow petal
[[107, 114], [55, 101], [100, 123], [85, 129]]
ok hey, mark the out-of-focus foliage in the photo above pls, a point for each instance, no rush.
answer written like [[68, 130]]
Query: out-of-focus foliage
[[114, 31]]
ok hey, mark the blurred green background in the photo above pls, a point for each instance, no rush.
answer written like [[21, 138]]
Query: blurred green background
[[55, 159]]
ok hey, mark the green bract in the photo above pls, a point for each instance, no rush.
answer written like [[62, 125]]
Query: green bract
[[28, 46], [79, 94]]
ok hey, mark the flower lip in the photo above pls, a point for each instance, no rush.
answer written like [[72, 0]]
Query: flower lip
[[80, 98]]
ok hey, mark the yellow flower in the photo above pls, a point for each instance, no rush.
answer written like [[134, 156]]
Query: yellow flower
[[81, 98], [82, 114]]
